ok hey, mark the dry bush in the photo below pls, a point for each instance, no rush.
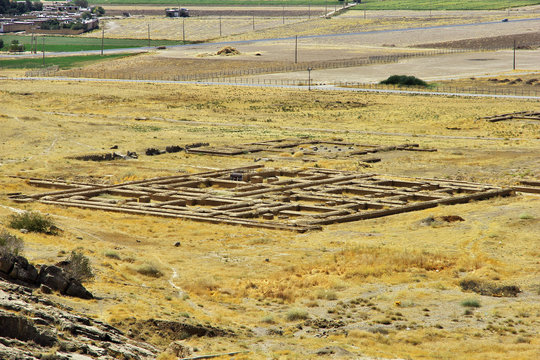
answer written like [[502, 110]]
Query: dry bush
[[201, 285], [296, 314], [149, 270], [488, 288], [357, 263], [78, 266], [10, 244]]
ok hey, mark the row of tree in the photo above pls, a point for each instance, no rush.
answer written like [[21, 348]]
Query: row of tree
[[8, 7]]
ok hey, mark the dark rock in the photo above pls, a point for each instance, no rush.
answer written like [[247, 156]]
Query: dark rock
[[6, 262], [76, 289], [23, 271], [152, 152], [334, 350], [30, 329], [114, 147], [177, 244], [53, 277], [19, 327], [173, 149]]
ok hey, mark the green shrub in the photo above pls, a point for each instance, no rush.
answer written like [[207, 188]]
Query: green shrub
[[79, 266], [296, 314], [149, 270], [15, 46], [34, 222], [404, 80], [112, 254], [326, 295], [10, 244], [268, 319], [471, 303]]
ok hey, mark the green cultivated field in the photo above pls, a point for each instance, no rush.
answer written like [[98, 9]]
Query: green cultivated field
[[72, 43], [64, 62], [443, 4], [368, 4]]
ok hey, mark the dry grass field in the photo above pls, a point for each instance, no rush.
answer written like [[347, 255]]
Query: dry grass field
[[381, 288]]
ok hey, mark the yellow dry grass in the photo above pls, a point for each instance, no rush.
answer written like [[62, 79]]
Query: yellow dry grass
[[392, 281], [196, 28]]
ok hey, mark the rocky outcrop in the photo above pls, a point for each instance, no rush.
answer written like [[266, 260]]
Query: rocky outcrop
[[32, 327], [17, 269]]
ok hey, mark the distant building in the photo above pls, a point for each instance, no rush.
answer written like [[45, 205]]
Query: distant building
[[177, 12], [60, 7]]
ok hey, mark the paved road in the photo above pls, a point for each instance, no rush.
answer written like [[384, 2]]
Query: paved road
[[298, 87]]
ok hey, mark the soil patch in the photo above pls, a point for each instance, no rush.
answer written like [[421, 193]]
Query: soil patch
[[523, 41], [170, 330]]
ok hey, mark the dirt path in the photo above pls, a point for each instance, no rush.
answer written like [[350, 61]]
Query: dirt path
[[435, 68]]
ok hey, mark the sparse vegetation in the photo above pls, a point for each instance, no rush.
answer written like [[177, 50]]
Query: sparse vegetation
[[526, 216], [10, 244], [296, 314], [112, 255], [33, 222], [483, 287], [150, 270], [471, 303]]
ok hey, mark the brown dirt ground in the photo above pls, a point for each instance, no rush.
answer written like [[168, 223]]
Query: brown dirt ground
[[527, 40]]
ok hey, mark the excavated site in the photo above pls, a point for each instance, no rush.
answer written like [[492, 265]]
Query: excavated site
[[146, 219]]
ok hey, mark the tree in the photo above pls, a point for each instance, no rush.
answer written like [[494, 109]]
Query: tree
[[77, 26], [98, 10], [1, 44], [81, 3]]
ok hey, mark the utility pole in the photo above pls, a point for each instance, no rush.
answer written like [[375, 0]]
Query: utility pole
[[184, 30], [43, 48], [296, 49], [514, 67], [283, 13], [253, 22], [102, 39], [309, 78], [219, 25], [309, 10], [325, 7], [148, 35]]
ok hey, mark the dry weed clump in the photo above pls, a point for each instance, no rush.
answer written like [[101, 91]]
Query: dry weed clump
[[201, 285], [10, 244], [149, 269], [364, 262], [486, 288], [325, 276]]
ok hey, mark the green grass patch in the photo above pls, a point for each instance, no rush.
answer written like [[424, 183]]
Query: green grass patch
[[471, 303], [75, 43], [296, 314], [63, 62], [149, 270], [443, 4]]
